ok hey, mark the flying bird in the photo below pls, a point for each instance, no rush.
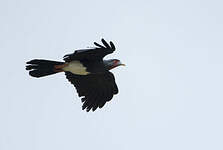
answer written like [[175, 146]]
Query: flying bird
[[86, 70]]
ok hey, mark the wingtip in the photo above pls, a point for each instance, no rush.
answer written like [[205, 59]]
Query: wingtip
[[98, 45], [112, 45], [102, 39], [105, 43]]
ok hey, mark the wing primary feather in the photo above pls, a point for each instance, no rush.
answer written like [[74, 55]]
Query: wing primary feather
[[96, 104], [83, 99], [85, 103], [102, 100], [107, 96], [112, 45], [90, 102], [95, 90], [101, 104], [98, 45], [105, 44], [90, 99]]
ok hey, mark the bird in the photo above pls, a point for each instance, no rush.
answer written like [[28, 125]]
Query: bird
[[86, 70]]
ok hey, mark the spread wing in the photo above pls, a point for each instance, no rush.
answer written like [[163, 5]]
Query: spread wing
[[95, 53], [95, 89]]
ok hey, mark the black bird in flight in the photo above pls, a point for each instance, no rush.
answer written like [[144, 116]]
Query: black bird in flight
[[87, 71]]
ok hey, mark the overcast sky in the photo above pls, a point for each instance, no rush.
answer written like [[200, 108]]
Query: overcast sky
[[170, 93]]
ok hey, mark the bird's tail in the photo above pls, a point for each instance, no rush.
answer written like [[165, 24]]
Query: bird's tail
[[40, 68]]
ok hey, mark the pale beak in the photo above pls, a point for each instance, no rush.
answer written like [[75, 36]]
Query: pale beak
[[120, 64]]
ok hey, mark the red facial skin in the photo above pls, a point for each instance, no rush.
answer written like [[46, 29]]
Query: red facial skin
[[115, 64]]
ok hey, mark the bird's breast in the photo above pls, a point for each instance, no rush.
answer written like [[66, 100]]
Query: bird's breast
[[76, 67]]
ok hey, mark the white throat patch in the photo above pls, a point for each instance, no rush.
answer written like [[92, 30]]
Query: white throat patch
[[76, 67]]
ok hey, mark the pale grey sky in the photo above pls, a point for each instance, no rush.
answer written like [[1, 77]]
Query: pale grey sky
[[170, 93]]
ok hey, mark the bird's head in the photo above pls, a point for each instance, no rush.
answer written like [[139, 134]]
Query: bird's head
[[112, 63]]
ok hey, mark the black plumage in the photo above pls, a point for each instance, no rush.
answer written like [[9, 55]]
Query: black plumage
[[94, 54], [40, 67], [94, 83], [95, 89]]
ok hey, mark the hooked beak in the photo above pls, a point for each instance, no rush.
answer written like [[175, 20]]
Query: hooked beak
[[120, 64]]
